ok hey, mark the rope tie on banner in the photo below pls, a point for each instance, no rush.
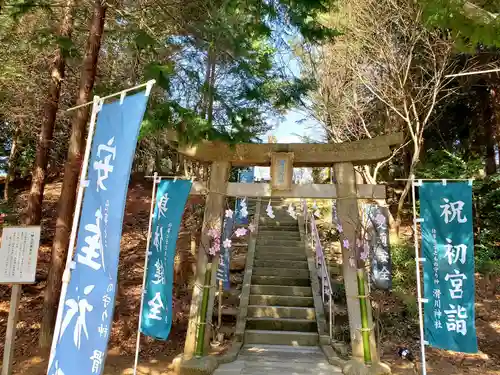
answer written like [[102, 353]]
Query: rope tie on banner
[[366, 329], [358, 296], [200, 286]]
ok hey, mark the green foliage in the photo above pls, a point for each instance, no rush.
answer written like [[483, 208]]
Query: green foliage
[[225, 81], [403, 267], [162, 73], [487, 207], [468, 22], [443, 164], [404, 277]]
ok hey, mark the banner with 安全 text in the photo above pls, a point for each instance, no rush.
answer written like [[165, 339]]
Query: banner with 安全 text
[[448, 250], [83, 334], [157, 316], [377, 239]]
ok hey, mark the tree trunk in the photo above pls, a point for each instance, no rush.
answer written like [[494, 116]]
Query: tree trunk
[[11, 163], [211, 89], [406, 190], [34, 210], [489, 134], [66, 202]]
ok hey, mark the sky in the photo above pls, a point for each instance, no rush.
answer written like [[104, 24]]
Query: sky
[[294, 125]]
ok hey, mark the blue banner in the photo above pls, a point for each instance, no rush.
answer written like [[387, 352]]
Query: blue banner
[[171, 198], [225, 255], [245, 176], [448, 249], [88, 309], [376, 239]]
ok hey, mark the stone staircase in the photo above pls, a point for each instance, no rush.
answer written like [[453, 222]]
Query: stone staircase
[[281, 306]]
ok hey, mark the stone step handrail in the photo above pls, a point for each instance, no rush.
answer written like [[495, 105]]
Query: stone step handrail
[[321, 265]]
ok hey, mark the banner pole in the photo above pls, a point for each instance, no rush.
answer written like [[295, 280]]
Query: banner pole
[[219, 325], [419, 286], [151, 213], [96, 107]]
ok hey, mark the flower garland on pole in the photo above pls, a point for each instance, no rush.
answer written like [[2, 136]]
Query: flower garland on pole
[[212, 252], [357, 259]]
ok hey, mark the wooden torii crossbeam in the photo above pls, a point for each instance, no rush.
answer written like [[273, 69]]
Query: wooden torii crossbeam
[[313, 191], [366, 151]]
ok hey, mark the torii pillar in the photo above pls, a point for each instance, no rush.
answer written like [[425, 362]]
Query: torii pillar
[[214, 208], [348, 212]]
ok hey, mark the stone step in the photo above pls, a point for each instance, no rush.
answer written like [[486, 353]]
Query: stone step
[[289, 243], [307, 354], [273, 324], [281, 290], [279, 227], [280, 248], [279, 234], [283, 272], [270, 255], [281, 312], [292, 338], [278, 280], [287, 236], [281, 264], [277, 300]]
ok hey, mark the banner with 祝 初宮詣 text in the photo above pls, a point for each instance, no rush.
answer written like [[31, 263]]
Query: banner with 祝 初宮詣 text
[[82, 340], [156, 313], [448, 250]]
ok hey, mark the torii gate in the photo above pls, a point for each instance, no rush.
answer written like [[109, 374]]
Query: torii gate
[[342, 156]]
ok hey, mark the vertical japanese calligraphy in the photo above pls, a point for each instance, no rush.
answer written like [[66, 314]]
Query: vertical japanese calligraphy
[[225, 255], [244, 176], [448, 249], [171, 198], [88, 307], [377, 238]]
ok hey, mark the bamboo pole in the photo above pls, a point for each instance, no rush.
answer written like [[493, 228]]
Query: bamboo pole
[[363, 307], [200, 343]]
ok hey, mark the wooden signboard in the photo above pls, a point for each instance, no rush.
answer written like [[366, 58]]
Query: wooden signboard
[[18, 256]]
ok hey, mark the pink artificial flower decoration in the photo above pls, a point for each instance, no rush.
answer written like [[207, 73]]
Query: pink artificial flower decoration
[[214, 233], [240, 232], [212, 251]]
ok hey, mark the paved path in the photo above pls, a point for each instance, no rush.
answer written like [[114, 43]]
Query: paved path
[[279, 360]]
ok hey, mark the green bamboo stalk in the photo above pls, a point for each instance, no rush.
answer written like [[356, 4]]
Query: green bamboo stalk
[[200, 344], [363, 306]]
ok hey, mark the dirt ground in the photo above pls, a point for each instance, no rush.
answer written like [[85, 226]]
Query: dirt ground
[[156, 356]]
